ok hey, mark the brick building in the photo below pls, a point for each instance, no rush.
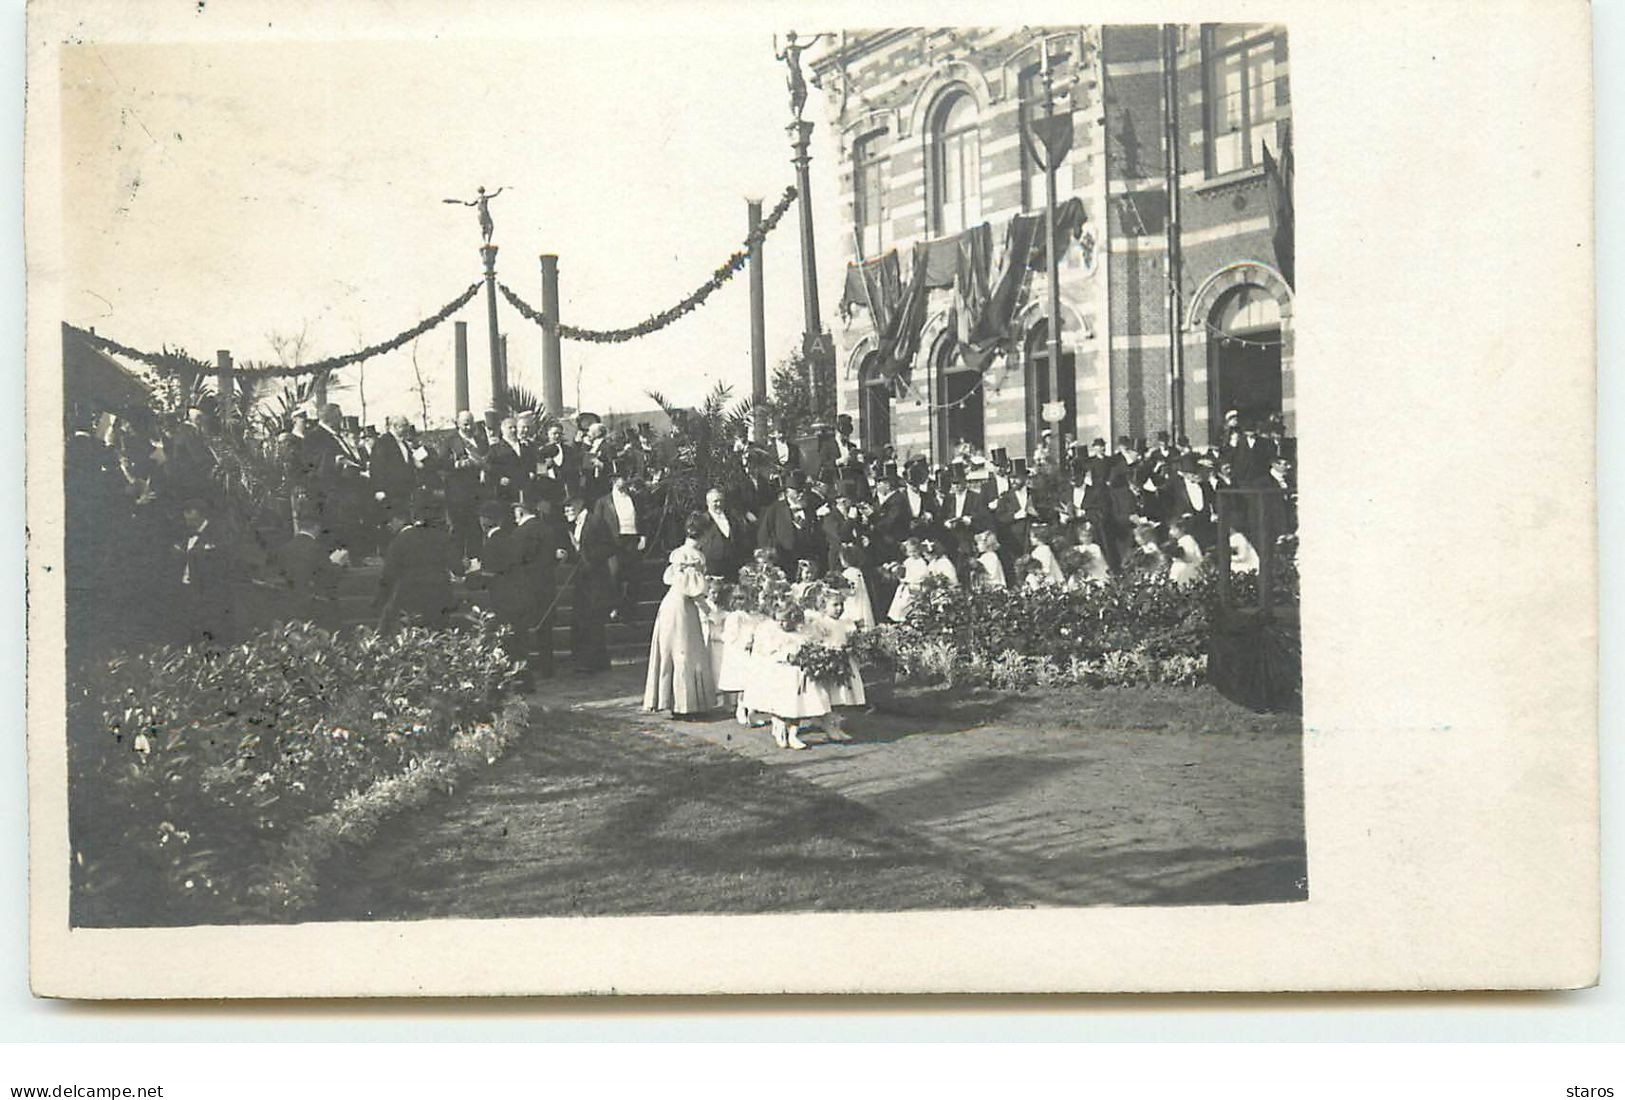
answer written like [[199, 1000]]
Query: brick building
[[931, 141]]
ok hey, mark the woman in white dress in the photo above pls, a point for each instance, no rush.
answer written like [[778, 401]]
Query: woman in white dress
[[680, 679]]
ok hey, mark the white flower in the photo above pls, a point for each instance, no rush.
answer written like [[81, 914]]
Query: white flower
[[379, 716], [142, 745]]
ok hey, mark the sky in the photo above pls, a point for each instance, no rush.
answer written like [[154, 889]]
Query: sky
[[219, 194]]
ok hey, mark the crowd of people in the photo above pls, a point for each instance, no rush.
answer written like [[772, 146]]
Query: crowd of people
[[812, 535], [810, 558]]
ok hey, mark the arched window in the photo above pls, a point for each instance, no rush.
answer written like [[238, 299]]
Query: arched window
[[874, 405], [955, 155], [868, 194], [960, 413], [1244, 356]]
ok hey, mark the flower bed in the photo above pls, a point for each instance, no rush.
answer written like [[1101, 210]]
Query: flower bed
[[1132, 630], [206, 786]]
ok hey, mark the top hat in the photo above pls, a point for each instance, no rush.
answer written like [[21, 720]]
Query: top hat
[[956, 472], [795, 478], [888, 471], [1019, 468], [1000, 457], [944, 481], [352, 423]]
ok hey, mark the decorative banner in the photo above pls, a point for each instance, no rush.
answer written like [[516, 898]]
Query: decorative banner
[[728, 270], [168, 361]]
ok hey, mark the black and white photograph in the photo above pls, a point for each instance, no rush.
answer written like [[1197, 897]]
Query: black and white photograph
[[961, 575], [695, 469]]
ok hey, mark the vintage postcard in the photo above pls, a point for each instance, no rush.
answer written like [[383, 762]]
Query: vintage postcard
[[709, 498]]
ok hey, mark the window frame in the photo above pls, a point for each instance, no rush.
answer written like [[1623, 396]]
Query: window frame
[[1263, 37], [937, 138], [869, 166]]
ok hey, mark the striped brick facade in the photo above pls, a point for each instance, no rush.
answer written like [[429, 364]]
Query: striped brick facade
[[884, 90]]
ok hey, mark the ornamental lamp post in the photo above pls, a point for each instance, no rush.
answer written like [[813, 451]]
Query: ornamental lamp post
[[813, 340], [1055, 136]]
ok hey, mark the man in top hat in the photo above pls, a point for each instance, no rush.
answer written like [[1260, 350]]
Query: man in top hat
[[843, 527], [1251, 456], [848, 455], [997, 482], [625, 515], [964, 511], [1014, 514], [892, 517], [923, 508], [559, 462], [333, 483], [1190, 497], [727, 540], [789, 529]]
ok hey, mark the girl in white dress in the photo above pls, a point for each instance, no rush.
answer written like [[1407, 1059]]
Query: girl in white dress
[[858, 610], [991, 571], [1185, 563], [941, 565], [1044, 555], [912, 575], [779, 688], [1091, 559], [679, 678], [828, 626], [731, 648]]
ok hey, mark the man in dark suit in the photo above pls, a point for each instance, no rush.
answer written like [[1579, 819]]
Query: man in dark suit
[[964, 513], [1014, 514], [788, 530], [1250, 458], [416, 581], [393, 469], [591, 545], [463, 462], [625, 515], [509, 464], [205, 570], [843, 528], [892, 520], [303, 569], [1190, 497], [726, 541]]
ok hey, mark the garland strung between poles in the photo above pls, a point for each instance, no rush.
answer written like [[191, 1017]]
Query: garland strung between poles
[[167, 361], [728, 270]]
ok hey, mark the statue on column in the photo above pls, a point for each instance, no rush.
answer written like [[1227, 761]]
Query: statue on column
[[481, 200], [792, 58]]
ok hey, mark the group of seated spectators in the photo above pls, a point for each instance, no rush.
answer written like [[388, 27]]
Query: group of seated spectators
[[518, 508]]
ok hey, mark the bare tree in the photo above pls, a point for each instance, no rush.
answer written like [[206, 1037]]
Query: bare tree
[[421, 387]]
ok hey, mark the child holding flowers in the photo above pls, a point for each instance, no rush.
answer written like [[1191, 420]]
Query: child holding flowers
[[777, 687]]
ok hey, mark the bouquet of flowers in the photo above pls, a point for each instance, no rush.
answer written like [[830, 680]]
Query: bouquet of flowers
[[825, 664]]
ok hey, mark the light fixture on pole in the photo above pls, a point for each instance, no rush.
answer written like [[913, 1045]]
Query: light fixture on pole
[[1050, 139]]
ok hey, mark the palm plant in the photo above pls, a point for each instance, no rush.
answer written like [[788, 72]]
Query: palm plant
[[705, 457]]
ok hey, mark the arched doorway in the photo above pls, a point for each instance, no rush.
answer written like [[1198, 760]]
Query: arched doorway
[[960, 413], [1244, 355], [874, 405], [1038, 391]]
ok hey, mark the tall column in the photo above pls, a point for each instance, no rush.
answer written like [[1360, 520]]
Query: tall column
[[226, 384], [812, 325], [1052, 265], [552, 361], [758, 322], [460, 351], [488, 253]]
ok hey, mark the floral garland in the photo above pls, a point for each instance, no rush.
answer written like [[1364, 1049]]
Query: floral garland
[[169, 361], [722, 274]]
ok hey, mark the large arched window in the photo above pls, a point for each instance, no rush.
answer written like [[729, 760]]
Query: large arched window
[[960, 413], [955, 156], [1244, 356]]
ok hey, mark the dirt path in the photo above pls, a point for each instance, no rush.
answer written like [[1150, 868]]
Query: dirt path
[[1140, 797]]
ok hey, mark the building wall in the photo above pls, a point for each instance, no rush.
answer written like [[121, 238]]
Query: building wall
[[1114, 290]]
